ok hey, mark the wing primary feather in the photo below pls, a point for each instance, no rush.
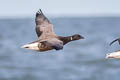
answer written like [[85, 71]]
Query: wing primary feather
[[40, 11], [40, 17], [115, 41]]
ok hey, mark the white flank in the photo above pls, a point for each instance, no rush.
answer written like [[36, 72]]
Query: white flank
[[71, 38], [32, 46]]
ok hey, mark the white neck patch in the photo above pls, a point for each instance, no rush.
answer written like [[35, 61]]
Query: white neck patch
[[71, 38]]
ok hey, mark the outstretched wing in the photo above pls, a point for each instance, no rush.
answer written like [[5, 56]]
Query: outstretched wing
[[115, 41], [43, 26]]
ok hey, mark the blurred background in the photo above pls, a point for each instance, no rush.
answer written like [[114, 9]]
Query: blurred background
[[97, 20]]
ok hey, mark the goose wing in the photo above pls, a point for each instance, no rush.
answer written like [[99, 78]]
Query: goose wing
[[115, 41], [44, 28]]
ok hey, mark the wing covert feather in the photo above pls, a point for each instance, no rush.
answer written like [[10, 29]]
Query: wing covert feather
[[43, 25]]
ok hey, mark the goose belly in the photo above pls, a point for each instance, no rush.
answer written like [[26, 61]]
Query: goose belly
[[43, 47]]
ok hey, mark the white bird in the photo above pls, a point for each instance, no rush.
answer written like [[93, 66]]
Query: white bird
[[115, 54]]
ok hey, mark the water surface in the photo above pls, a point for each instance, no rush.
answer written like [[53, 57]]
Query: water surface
[[79, 60]]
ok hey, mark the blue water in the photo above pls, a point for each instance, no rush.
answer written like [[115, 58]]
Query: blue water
[[79, 60]]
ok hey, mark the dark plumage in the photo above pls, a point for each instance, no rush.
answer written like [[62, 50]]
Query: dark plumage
[[70, 38], [47, 39], [115, 41]]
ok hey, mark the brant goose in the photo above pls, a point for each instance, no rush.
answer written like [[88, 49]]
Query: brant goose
[[47, 39], [115, 54]]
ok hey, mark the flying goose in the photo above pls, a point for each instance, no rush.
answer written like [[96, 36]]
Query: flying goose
[[47, 39], [115, 54]]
